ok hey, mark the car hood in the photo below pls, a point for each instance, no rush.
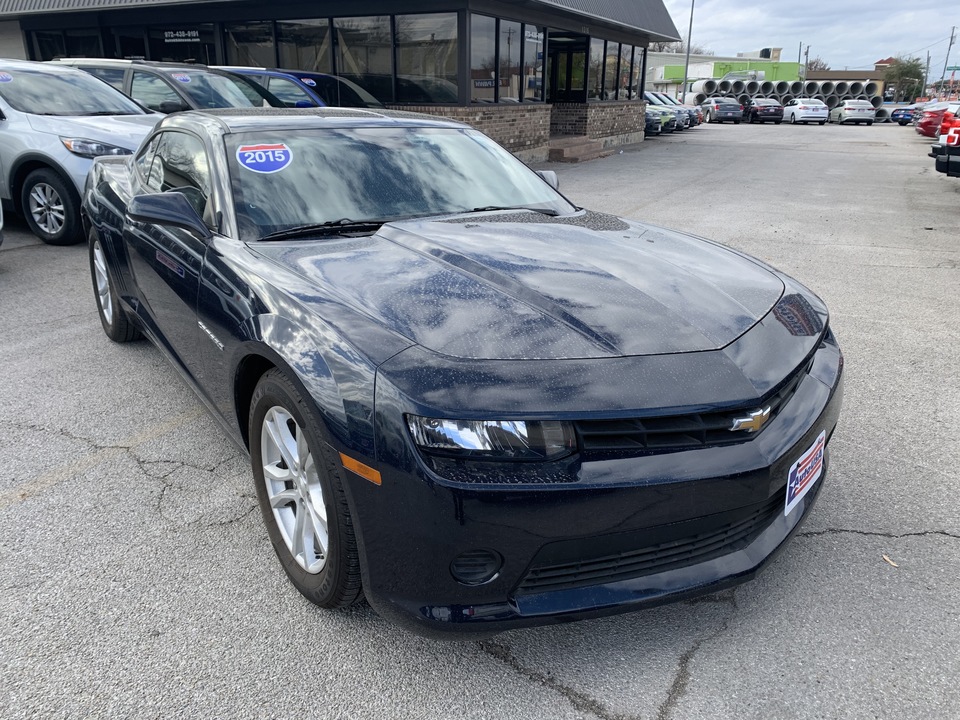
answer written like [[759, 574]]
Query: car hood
[[524, 285], [125, 131]]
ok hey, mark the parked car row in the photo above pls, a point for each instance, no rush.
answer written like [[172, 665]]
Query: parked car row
[[56, 117], [946, 151], [796, 111]]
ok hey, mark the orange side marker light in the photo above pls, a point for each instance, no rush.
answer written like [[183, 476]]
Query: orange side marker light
[[364, 471]]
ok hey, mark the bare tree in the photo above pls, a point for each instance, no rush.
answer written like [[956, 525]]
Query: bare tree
[[679, 47], [817, 63]]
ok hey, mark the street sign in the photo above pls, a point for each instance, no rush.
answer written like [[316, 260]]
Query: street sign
[[954, 67]]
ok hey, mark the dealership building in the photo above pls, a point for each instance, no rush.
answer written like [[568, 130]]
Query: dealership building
[[524, 72]]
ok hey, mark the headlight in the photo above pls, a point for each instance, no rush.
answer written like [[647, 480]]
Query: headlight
[[91, 148], [493, 439]]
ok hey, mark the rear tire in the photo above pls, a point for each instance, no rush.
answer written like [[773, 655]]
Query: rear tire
[[869, 123], [301, 495], [113, 317], [51, 208], [823, 122], [777, 122]]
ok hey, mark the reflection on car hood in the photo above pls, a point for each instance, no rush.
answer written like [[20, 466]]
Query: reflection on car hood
[[523, 285], [125, 131]]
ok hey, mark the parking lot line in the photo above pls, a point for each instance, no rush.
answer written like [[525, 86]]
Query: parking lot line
[[34, 487]]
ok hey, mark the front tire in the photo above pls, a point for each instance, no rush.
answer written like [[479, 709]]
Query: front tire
[[301, 495], [113, 317], [51, 208], [793, 119]]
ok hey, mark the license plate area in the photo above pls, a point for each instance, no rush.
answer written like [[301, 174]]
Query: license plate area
[[805, 472]]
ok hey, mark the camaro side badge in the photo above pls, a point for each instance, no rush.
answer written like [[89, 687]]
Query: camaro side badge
[[753, 422]]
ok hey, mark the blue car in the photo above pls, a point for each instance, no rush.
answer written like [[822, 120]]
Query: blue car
[[301, 89], [903, 115], [463, 397]]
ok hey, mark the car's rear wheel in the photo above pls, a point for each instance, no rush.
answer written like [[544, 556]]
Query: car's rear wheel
[[822, 122], [301, 495], [51, 208], [869, 122], [777, 122], [902, 122], [113, 317]]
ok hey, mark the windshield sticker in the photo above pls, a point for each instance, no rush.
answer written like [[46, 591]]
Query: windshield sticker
[[182, 77], [264, 158], [308, 81], [6, 77]]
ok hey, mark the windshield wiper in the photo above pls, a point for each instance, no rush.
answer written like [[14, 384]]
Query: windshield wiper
[[326, 227], [99, 113], [542, 211]]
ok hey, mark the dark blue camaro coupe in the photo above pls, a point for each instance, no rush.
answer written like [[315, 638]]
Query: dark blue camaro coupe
[[462, 396]]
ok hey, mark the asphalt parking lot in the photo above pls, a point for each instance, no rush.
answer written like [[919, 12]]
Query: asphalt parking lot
[[138, 580]]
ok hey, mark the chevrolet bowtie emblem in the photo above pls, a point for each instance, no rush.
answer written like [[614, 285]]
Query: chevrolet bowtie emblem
[[752, 422]]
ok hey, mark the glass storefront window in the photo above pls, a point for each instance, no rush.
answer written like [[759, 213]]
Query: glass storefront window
[[610, 69], [364, 54], [83, 43], [483, 58], [533, 62], [130, 43], [304, 45], [427, 58], [595, 79], [183, 43], [511, 40], [249, 43], [626, 56], [49, 45]]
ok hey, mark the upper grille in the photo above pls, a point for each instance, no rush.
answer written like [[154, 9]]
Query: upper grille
[[652, 559], [691, 430]]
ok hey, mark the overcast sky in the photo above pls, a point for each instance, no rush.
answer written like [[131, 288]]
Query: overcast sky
[[845, 33]]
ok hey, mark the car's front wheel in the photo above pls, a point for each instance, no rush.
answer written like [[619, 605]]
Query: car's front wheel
[[793, 119], [113, 317], [301, 495], [51, 208]]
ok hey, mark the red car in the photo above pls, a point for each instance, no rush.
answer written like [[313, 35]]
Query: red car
[[930, 117]]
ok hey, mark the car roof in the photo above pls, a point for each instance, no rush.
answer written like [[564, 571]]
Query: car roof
[[234, 120], [13, 64], [148, 64]]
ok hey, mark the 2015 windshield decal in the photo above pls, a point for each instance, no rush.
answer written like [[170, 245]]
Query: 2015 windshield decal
[[264, 159]]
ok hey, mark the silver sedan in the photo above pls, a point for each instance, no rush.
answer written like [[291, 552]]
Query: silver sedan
[[853, 111]]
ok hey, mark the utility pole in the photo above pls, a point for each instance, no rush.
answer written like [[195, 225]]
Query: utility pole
[[686, 64], [953, 36], [799, 53], [926, 75], [806, 61]]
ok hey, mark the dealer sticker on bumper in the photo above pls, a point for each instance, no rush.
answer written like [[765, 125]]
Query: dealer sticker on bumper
[[805, 472]]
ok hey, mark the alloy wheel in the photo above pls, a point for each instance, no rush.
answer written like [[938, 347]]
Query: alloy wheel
[[46, 208], [293, 489], [103, 282]]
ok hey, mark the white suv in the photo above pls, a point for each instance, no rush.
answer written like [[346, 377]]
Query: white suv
[[53, 122]]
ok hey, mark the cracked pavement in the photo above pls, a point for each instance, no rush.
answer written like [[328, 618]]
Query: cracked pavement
[[138, 580]]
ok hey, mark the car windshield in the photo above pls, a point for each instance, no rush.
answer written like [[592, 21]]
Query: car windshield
[[210, 90], [285, 179], [62, 92]]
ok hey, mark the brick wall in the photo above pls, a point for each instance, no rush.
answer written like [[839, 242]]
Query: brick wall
[[523, 129], [612, 123]]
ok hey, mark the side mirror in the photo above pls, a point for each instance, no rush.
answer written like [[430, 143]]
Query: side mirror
[[550, 177], [304, 104], [171, 209], [171, 106]]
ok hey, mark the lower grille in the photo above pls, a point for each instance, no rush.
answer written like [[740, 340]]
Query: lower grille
[[681, 552]]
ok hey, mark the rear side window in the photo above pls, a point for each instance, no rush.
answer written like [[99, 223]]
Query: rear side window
[[290, 93], [152, 91], [114, 76]]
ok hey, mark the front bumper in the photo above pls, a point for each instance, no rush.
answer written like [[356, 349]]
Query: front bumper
[[413, 526], [948, 162]]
